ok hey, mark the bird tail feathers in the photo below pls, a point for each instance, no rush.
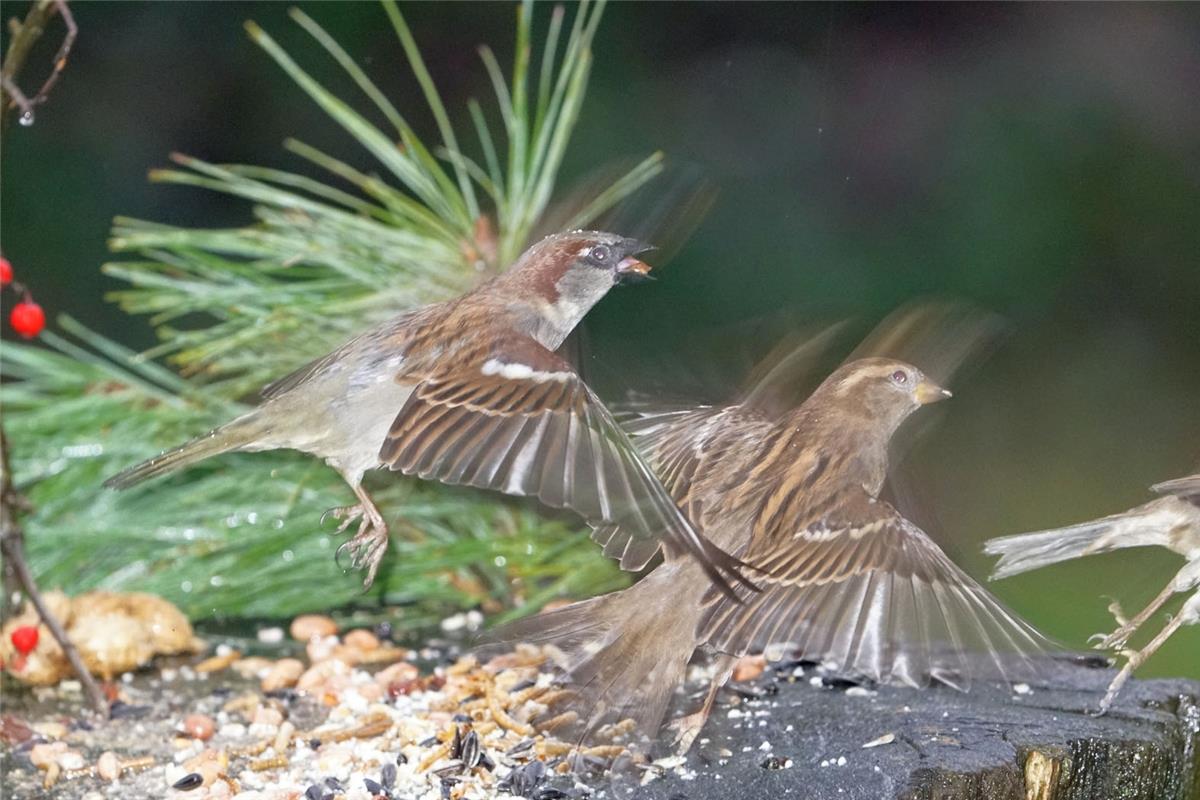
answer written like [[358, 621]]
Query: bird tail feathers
[[620, 656], [1027, 551], [231, 436]]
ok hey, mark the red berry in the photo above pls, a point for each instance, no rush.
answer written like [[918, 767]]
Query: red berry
[[25, 638], [27, 318], [5, 272]]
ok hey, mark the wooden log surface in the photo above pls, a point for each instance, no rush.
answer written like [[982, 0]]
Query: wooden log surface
[[806, 738]]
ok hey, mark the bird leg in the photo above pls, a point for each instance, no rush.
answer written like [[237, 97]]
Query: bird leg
[[1117, 639], [687, 728], [1188, 615], [370, 541]]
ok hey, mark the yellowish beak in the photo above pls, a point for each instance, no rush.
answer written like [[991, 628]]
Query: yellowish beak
[[928, 392]]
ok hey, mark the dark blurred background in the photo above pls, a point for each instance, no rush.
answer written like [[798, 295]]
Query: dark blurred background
[[1041, 161]]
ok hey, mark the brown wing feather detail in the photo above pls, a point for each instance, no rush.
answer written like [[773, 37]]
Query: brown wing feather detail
[[518, 419], [878, 598], [683, 446]]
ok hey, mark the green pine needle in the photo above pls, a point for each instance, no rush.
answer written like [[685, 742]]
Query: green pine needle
[[234, 308]]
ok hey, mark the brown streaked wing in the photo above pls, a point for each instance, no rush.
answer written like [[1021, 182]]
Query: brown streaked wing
[[388, 338], [878, 598], [682, 446], [518, 419]]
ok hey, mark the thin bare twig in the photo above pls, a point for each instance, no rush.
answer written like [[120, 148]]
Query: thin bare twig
[[12, 503], [23, 38], [12, 544]]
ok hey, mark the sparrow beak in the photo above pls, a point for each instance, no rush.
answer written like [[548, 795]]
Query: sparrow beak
[[927, 392]]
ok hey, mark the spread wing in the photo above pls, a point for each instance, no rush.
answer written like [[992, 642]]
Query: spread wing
[[687, 447], [393, 335], [1187, 488], [864, 588], [518, 419]]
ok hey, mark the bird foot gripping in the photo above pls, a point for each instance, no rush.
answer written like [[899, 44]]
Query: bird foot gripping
[[368, 545]]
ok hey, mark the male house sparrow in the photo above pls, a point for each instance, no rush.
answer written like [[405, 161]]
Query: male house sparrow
[[1172, 521], [470, 391], [844, 577]]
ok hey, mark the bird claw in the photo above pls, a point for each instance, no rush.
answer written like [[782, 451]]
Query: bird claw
[[347, 514], [368, 545], [686, 729], [366, 551], [1109, 641]]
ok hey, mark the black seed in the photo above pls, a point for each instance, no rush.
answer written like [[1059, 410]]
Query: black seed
[[486, 762], [453, 767], [430, 742], [521, 685], [520, 747], [549, 793], [314, 793], [122, 710], [314, 743], [193, 780], [1091, 661], [286, 695], [334, 783], [525, 778], [470, 750], [773, 762], [469, 698], [388, 775], [401, 758], [384, 630], [222, 691], [461, 718], [373, 787], [456, 744]]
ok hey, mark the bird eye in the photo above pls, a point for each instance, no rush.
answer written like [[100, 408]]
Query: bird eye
[[600, 254], [900, 377]]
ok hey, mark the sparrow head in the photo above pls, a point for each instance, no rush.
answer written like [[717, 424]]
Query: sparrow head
[[883, 390], [564, 275]]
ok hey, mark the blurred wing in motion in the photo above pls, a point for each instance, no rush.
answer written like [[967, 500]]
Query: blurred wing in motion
[[864, 588], [1187, 488], [519, 420], [684, 445], [666, 211], [941, 335], [620, 656]]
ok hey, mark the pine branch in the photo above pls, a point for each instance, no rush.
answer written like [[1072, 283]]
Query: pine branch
[[234, 308]]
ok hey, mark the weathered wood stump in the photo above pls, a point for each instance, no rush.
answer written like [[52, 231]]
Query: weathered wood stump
[[803, 740]]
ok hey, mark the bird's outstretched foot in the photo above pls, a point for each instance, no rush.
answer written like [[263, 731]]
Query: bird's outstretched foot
[[369, 543], [1112, 641]]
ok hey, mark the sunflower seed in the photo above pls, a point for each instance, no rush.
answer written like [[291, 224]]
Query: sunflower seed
[[470, 750]]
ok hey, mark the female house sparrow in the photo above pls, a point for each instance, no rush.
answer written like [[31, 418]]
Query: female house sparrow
[[470, 391], [844, 577], [1171, 521]]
